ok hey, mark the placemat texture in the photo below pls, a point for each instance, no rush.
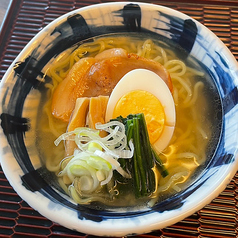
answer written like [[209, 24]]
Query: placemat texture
[[26, 18]]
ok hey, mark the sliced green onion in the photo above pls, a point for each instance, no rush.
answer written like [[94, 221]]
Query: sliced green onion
[[93, 163], [93, 146], [108, 179], [99, 163]]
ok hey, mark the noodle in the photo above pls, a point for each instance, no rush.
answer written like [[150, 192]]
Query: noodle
[[197, 87], [173, 66], [182, 156], [185, 87]]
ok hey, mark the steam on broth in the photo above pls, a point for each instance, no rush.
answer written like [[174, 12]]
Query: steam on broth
[[196, 131]]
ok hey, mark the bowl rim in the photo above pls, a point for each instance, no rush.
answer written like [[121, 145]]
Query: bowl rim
[[88, 226]]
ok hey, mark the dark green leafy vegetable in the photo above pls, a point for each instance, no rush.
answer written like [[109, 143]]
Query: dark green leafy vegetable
[[163, 171], [144, 158]]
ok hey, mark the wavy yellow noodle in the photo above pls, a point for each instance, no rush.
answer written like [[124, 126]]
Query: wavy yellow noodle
[[185, 152]]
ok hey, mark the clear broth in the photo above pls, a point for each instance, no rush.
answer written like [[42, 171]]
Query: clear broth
[[203, 118]]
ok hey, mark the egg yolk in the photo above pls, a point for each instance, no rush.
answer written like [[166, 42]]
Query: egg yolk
[[140, 101]]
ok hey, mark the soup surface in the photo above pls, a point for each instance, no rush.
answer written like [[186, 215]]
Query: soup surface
[[197, 129]]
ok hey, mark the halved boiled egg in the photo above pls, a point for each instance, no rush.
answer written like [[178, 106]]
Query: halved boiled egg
[[143, 91]]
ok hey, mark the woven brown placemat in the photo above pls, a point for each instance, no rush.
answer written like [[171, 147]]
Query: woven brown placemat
[[24, 19]]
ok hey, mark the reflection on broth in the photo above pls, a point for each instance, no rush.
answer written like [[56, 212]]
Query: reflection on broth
[[194, 139]]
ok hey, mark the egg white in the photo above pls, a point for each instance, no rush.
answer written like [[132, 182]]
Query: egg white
[[143, 79]]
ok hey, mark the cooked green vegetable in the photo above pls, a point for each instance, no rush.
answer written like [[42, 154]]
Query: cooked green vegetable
[[144, 158]]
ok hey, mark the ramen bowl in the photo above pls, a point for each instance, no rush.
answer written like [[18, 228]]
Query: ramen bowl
[[23, 92]]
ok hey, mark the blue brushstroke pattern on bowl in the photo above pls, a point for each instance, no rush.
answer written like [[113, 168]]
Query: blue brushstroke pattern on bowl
[[25, 79]]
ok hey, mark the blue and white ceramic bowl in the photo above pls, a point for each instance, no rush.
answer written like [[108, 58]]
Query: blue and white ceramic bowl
[[20, 95]]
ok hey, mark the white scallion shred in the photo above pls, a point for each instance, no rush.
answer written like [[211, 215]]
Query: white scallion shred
[[96, 157]]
